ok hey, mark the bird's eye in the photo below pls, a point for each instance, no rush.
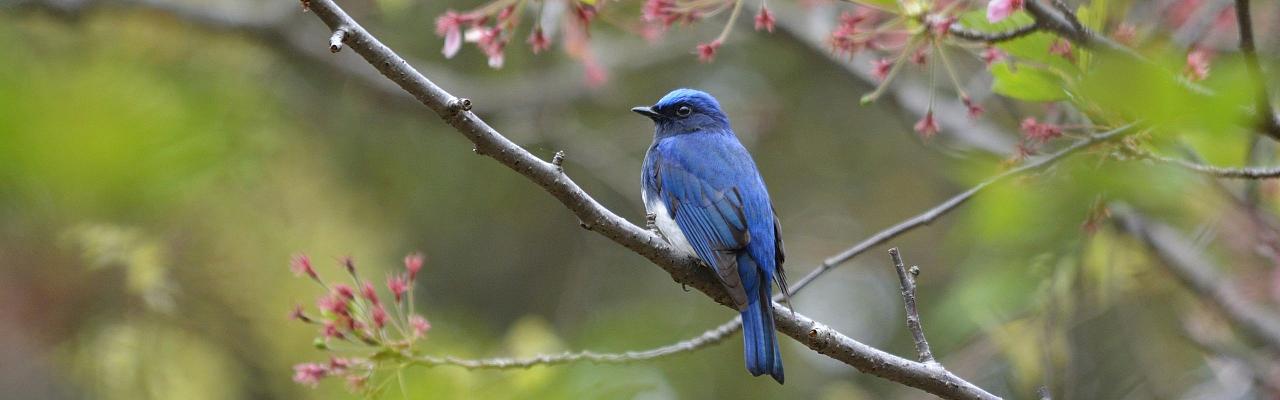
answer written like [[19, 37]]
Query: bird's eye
[[684, 111]]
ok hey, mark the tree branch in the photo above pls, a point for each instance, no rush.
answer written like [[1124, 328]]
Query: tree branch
[[1180, 258], [1221, 172], [960, 31], [1267, 120], [907, 285], [683, 268], [939, 210], [707, 338]]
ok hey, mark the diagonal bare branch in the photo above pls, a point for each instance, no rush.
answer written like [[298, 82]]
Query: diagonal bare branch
[[683, 268]]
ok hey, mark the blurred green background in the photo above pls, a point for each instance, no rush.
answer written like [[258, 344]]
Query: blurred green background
[[156, 174]]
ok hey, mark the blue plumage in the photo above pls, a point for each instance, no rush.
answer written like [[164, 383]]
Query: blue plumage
[[708, 199]]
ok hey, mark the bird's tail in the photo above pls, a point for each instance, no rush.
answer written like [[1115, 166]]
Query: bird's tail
[[759, 340]]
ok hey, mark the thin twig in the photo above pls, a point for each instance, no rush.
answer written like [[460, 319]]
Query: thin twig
[[907, 285], [1221, 172], [939, 210], [960, 31], [705, 339], [1267, 120], [682, 267]]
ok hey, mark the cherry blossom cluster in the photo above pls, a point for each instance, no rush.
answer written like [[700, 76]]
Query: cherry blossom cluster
[[355, 318], [914, 33]]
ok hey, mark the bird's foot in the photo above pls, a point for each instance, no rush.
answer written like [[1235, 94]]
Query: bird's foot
[[651, 222]]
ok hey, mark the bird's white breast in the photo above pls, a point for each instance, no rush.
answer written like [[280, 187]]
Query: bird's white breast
[[665, 224]]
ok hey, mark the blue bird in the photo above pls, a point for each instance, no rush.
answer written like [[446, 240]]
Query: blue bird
[[706, 197]]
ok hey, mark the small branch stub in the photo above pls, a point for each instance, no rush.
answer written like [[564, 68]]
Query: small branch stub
[[335, 41], [908, 287], [460, 104], [558, 159]]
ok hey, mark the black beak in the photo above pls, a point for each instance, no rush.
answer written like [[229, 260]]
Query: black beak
[[647, 111]]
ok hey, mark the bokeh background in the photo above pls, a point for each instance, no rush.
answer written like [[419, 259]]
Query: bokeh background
[[159, 168]]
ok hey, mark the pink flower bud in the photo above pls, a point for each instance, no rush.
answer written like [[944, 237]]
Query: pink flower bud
[[309, 374], [369, 294], [707, 51], [880, 68], [1038, 131], [1197, 64], [379, 316], [339, 364], [992, 55], [927, 127], [331, 330], [333, 304], [1062, 47], [420, 325], [998, 10], [299, 314], [349, 264], [344, 291], [301, 265], [413, 264], [764, 19], [538, 41], [398, 286], [975, 109]]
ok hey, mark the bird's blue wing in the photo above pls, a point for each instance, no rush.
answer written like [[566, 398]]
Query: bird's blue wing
[[712, 210]]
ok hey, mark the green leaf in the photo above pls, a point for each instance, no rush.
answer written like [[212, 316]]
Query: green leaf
[[977, 20], [1027, 83]]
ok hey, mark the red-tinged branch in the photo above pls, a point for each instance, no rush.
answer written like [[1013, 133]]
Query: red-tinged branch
[[683, 268]]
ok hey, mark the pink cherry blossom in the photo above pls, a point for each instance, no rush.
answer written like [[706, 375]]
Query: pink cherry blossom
[[309, 374], [398, 286], [1039, 131], [992, 55], [927, 127], [449, 25], [369, 294], [301, 265], [998, 10], [539, 43], [764, 20], [880, 68], [420, 325], [707, 51], [975, 109], [1197, 68]]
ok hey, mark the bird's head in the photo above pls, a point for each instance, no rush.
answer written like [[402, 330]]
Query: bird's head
[[685, 111]]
